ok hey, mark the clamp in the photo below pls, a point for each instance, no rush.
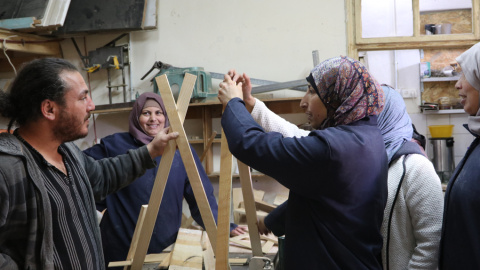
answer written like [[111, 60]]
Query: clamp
[[260, 263]]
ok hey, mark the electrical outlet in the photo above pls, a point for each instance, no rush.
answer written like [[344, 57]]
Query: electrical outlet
[[409, 93]]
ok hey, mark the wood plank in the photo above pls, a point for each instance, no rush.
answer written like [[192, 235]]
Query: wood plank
[[31, 44], [224, 200], [160, 182], [264, 237], [250, 209], [18, 23], [187, 252], [55, 13]]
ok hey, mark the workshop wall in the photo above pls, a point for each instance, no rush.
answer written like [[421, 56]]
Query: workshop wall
[[270, 40]]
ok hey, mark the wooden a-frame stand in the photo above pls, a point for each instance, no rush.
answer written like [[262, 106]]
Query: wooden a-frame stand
[[224, 200], [148, 214]]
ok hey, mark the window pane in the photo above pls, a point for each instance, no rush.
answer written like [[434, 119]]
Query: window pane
[[445, 17], [386, 18]]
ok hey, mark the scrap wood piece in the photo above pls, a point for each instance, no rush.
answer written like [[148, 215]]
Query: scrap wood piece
[[264, 237], [267, 246], [237, 196], [241, 243], [279, 199], [187, 252]]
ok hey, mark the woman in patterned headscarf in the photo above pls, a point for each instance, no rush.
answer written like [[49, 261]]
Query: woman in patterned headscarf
[[123, 207], [336, 175], [413, 214]]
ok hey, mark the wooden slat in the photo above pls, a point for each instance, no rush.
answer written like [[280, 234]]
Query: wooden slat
[[224, 200], [160, 182], [30, 43], [207, 130], [351, 49], [208, 145], [136, 234], [250, 209], [187, 156], [416, 17]]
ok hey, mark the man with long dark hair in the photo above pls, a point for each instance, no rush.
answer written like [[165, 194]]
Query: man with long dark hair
[[48, 187]]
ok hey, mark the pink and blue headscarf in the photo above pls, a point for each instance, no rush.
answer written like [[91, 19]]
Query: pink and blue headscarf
[[347, 89]]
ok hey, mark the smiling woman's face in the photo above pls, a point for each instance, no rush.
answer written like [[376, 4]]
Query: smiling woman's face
[[469, 96], [152, 120]]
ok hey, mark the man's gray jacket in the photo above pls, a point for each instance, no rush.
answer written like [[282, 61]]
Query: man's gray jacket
[[26, 240]]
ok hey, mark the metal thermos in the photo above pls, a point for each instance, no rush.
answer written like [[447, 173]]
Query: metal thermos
[[443, 159]]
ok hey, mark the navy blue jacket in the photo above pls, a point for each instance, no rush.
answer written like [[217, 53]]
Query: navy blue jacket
[[338, 187], [123, 207], [460, 243]]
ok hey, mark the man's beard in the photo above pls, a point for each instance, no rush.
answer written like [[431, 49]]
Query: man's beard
[[69, 128]]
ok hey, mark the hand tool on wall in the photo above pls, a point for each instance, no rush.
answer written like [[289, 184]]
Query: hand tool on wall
[[107, 57]]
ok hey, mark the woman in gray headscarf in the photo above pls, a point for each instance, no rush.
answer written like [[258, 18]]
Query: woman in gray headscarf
[[413, 215], [410, 229], [460, 244]]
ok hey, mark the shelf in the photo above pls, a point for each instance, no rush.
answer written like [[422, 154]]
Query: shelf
[[453, 111], [284, 105], [113, 108], [440, 79]]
